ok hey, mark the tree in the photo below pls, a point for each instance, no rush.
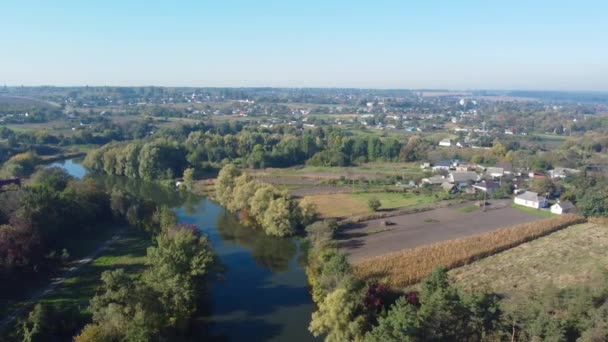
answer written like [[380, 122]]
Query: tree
[[177, 267], [308, 210], [593, 202], [224, 184], [276, 220], [189, 177], [399, 324], [442, 315], [374, 203], [335, 317]]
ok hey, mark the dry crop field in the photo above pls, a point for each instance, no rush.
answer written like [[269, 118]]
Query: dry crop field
[[566, 258], [408, 267]]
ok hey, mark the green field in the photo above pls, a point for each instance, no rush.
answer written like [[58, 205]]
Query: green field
[[377, 169], [391, 200], [536, 212]]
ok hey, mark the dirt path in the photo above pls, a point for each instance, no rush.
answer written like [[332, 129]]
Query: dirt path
[[58, 281], [369, 239]]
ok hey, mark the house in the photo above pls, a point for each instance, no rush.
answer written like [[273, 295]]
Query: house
[[449, 187], [564, 207], [465, 167], [434, 180], [442, 165], [487, 185], [536, 175], [445, 142], [463, 178], [531, 199], [495, 172], [562, 172], [425, 165], [507, 167]]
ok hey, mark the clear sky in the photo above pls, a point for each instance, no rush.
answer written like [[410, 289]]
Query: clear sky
[[513, 44]]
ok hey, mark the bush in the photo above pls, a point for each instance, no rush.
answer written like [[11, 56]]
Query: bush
[[374, 204]]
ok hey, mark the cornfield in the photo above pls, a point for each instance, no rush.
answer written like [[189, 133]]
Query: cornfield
[[408, 267]]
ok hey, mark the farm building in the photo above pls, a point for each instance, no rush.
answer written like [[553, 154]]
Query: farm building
[[564, 207], [445, 142], [531, 199]]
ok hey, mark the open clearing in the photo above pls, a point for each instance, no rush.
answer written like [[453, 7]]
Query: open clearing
[[346, 204], [369, 239], [572, 256]]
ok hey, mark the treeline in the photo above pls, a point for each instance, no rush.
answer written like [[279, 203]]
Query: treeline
[[348, 309], [261, 204], [167, 156], [40, 222]]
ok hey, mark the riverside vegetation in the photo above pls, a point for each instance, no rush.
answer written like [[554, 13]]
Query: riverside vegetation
[[261, 204]]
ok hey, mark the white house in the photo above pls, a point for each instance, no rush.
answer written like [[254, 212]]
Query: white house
[[563, 207], [531, 199], [562, 172], [445, 142]]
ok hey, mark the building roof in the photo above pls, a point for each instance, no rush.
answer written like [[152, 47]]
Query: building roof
[[565, 205], [443, 163], [487, 184], [506, 166], [435, 179], [492, 170], [447, 186], [531, 196], [463, 176]]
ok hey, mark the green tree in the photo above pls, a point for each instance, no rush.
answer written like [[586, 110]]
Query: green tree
[[336, 318], [374, 204], [276, 220], [224, 184], [399, 324], [189, 177]]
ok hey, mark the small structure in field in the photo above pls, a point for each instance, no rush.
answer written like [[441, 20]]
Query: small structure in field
[[445, 142], [563, 207]]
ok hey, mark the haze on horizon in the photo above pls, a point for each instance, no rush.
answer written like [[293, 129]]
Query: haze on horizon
[[557, 45]]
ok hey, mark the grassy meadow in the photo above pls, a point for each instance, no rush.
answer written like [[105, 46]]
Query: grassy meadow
[[568, 257]]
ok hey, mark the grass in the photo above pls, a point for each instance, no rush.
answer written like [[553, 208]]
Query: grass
[[408, 267], [341, 205], [572, 256], [128, 252], [532, 211], [468, 209], [407, 170], [338, 205], [391, 200]]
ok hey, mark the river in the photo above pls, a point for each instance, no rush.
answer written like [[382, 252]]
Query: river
[[263, 294]]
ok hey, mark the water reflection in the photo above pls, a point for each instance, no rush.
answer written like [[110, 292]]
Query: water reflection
[[267, 251]]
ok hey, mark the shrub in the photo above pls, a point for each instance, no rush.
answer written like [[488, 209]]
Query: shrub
[[374, 204]]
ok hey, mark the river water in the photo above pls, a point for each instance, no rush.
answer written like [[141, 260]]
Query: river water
[[263, 294]]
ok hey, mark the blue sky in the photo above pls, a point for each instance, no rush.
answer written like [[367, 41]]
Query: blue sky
[[381, 44]]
